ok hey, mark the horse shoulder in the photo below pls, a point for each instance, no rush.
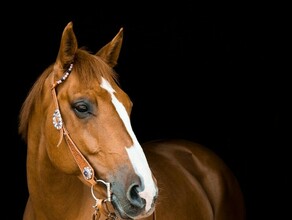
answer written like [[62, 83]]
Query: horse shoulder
[[188, 169]]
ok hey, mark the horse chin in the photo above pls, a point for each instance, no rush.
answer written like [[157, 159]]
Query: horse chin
[[122, 214], [118, 208]]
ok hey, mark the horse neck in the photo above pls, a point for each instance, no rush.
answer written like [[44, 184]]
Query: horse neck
[[52, 192]]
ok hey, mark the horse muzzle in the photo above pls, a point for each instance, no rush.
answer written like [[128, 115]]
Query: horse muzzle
[[131, 206]]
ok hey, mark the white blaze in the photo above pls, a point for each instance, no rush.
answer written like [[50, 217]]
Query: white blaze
[[135, 152]]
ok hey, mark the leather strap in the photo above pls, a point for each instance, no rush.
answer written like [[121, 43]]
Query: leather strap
[[84, 166]]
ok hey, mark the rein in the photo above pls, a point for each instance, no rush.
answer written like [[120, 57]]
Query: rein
[[84, 166]]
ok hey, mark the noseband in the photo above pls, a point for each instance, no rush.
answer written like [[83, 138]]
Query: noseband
[[84, 166]]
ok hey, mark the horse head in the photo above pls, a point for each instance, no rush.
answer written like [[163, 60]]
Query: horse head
[[80, 115]]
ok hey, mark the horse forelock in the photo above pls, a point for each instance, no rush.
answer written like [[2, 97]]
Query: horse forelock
[[91, 67]]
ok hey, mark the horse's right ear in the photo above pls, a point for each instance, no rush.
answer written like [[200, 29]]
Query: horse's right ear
[[67, 49], [111, 51]]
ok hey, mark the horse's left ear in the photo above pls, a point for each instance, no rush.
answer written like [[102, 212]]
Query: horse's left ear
[[111, 51], [68, 47]]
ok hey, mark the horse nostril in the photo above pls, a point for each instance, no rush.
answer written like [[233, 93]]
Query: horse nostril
[[135, 198]]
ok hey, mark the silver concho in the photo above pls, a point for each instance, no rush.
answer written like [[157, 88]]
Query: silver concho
[[57, 119], [87, 172]]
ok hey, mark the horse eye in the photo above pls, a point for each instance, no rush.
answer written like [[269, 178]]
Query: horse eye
[[81, 109]]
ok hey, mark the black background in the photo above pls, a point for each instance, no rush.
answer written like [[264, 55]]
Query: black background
[[208, 73]]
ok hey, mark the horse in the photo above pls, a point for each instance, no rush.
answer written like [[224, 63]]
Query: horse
[[84, 161]]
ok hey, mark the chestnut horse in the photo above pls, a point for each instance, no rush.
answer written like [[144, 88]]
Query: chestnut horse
[[85, 162]]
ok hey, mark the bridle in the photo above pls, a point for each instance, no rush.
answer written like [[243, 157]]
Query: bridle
[[101, 205], [84, 166]]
